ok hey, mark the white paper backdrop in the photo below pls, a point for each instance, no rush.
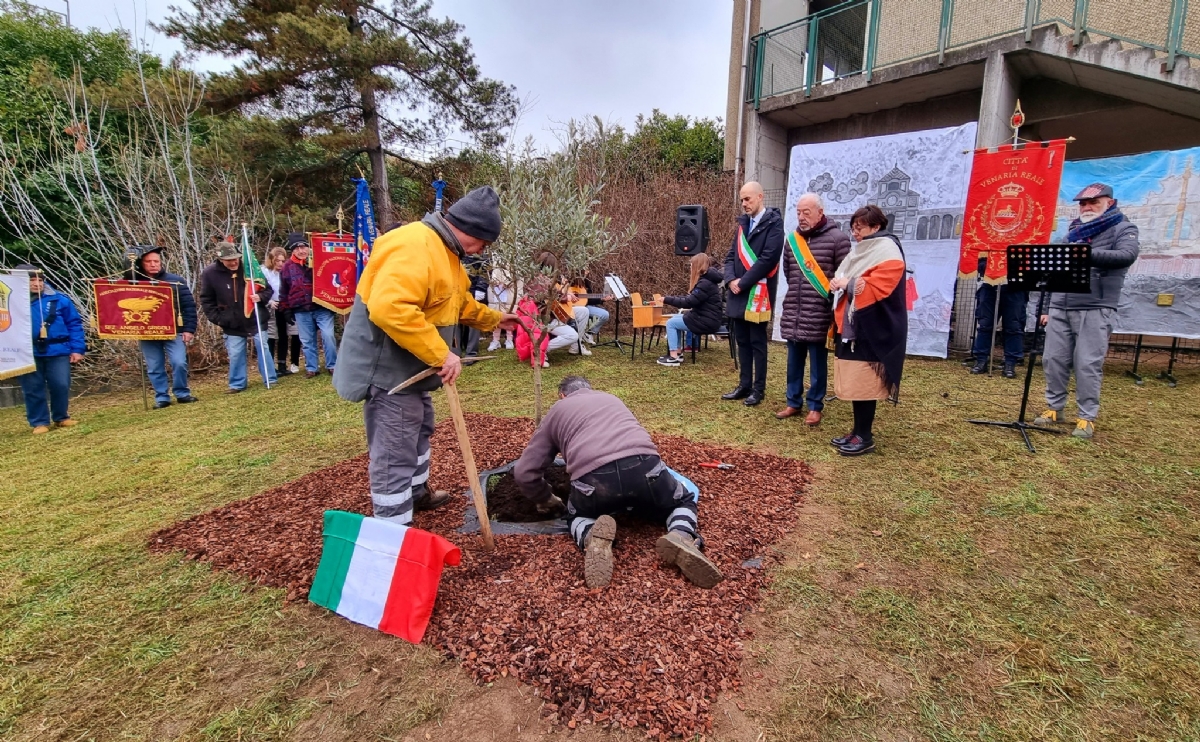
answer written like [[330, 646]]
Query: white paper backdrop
[[16, 335], [920, 180]]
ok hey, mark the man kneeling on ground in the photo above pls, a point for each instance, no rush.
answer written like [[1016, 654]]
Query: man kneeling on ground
[[614, 466]]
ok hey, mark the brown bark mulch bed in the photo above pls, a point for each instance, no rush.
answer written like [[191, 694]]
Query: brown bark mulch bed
[[650, 650]]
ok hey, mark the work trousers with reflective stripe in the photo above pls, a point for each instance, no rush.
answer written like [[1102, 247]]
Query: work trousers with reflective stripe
[[398, 430], [641, 485]]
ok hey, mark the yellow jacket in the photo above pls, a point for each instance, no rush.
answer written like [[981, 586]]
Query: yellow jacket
[[412, 293], [414, 284]]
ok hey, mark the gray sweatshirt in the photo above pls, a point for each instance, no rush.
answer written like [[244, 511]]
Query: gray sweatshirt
[[590, 429], [1113, 251]]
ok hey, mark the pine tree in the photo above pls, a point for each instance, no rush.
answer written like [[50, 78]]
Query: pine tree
[[354, 75]]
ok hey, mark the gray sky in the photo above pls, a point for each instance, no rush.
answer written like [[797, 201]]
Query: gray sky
[[612, 58]]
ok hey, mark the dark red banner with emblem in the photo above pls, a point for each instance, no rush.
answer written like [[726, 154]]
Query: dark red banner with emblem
[[335, 270], [1011, 201], [135, 310]]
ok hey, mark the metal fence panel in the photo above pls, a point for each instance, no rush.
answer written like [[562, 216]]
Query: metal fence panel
[[783, 60], [841, 41], [841, 47], [1191, 30]]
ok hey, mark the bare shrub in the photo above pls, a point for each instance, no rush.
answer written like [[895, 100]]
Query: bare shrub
[[648, 264]]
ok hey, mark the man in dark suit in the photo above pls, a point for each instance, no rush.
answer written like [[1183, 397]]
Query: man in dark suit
[[751, 268]]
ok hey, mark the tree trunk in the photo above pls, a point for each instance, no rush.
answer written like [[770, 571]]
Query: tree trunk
[[538, 358], [380, 192]]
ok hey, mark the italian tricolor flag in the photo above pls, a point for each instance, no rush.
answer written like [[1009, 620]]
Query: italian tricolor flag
[[381, 574]]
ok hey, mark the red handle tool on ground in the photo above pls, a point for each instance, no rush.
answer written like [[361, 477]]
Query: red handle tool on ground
[[715, 465]]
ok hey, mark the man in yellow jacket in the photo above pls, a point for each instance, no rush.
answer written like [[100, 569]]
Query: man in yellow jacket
[[411, 296]]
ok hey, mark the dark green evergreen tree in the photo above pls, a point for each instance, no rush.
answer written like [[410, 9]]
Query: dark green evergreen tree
[[356, 76]]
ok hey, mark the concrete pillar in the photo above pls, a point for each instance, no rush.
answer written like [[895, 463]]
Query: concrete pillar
[[1001, 86], [734, 94], [767, 157]]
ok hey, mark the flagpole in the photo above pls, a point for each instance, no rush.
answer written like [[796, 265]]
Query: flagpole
[[1015, 123], [262, 369]]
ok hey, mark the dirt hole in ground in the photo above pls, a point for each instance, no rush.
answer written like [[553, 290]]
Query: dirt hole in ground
[[651, 650], [506, 504]]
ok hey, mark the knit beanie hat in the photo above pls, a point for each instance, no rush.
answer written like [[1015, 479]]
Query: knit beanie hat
[[477, 214]]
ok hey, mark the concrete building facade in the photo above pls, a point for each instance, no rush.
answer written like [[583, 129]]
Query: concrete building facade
[[1120, 81]]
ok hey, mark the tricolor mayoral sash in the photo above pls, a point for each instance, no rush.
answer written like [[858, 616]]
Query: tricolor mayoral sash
[[758, 305], [812, 272], [808, 264]]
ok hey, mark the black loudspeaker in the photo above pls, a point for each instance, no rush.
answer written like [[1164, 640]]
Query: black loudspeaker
[[691, 230]]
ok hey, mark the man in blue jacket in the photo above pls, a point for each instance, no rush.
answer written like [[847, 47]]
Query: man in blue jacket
[[58, 342], [749, 317], [1079, 325], [159, 352]]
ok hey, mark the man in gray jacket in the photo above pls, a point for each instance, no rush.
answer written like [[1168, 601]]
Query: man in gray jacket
[[614, 466], [1078, 325]]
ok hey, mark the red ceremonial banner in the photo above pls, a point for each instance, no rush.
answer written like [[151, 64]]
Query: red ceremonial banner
[[1011, 201], [135, 310], [335, 270]]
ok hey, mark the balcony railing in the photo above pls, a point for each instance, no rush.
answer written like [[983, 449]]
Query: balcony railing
[[859, 37]]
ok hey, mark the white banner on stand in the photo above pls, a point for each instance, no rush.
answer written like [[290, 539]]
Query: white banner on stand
[[920, 180], [16, 333]]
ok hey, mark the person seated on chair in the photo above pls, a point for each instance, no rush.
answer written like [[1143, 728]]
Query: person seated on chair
[[597, 314], [563, 317], [705, 305], [614, 467]]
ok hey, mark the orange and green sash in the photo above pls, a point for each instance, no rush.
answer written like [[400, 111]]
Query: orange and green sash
[[808, 264], [758, 305]]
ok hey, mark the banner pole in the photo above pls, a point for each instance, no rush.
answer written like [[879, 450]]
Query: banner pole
[[142, 367], [261, 353], [261, 359], [995, 321]]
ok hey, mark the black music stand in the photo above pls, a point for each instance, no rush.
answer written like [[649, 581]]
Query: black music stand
[[1045, 268], [616, 287]]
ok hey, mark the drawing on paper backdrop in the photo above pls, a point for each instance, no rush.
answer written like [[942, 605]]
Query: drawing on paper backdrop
[[919, 179]]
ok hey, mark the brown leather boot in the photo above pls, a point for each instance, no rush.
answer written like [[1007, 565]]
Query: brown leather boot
[[787, 412], [432, 500], [681, 550], [813, 419], [597, 552]]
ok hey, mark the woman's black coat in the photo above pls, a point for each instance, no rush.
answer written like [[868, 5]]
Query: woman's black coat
[[704, 302]]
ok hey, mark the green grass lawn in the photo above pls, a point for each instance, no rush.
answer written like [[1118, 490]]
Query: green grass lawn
[[950, 587]]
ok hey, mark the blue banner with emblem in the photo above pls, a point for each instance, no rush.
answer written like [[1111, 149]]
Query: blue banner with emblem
[[364, 223]]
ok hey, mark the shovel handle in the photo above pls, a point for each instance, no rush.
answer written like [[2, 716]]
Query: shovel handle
[[464, 443]]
